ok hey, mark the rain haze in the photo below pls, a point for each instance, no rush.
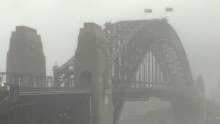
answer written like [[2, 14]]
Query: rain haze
[[197, 23]]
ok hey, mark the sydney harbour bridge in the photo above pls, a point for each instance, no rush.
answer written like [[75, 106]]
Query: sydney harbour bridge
[[126, 60]]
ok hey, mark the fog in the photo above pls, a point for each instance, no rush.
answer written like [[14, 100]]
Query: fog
[[58, 23], [197, 23]]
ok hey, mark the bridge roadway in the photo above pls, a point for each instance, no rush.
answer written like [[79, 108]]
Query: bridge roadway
[[141, 90], [51, 91], [137, 90], [131, 92]]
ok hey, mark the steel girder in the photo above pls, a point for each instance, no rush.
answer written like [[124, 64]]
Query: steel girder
[[155, 36], [131, 41], [129, 44]]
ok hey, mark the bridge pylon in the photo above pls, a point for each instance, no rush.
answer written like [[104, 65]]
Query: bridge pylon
[[26, 58], [92, 71]]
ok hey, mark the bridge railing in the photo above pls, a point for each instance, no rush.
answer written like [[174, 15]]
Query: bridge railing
[[34, 81], [120, 84], [149, 85]]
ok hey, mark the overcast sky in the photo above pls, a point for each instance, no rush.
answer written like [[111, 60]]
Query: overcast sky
[[197, 22]]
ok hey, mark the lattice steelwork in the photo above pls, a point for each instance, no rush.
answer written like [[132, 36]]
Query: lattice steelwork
[[146, 54], [152, 45], [147, 57], [149, 74], [64, 75]]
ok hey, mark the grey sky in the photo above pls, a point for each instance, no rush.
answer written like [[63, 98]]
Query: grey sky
[[58, 21]]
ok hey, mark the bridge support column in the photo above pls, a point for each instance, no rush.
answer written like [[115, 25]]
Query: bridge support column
[[92, 71]]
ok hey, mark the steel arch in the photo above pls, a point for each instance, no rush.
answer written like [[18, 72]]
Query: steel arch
[[130, 41], [155, 32]]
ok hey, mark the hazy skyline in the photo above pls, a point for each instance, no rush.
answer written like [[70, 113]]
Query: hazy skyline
[[197, 23]]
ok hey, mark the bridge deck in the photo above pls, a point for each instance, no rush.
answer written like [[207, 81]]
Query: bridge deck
[[51, 91]]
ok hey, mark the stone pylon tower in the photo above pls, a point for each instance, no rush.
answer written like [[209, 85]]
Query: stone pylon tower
[[26, 57], [92, 71]]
